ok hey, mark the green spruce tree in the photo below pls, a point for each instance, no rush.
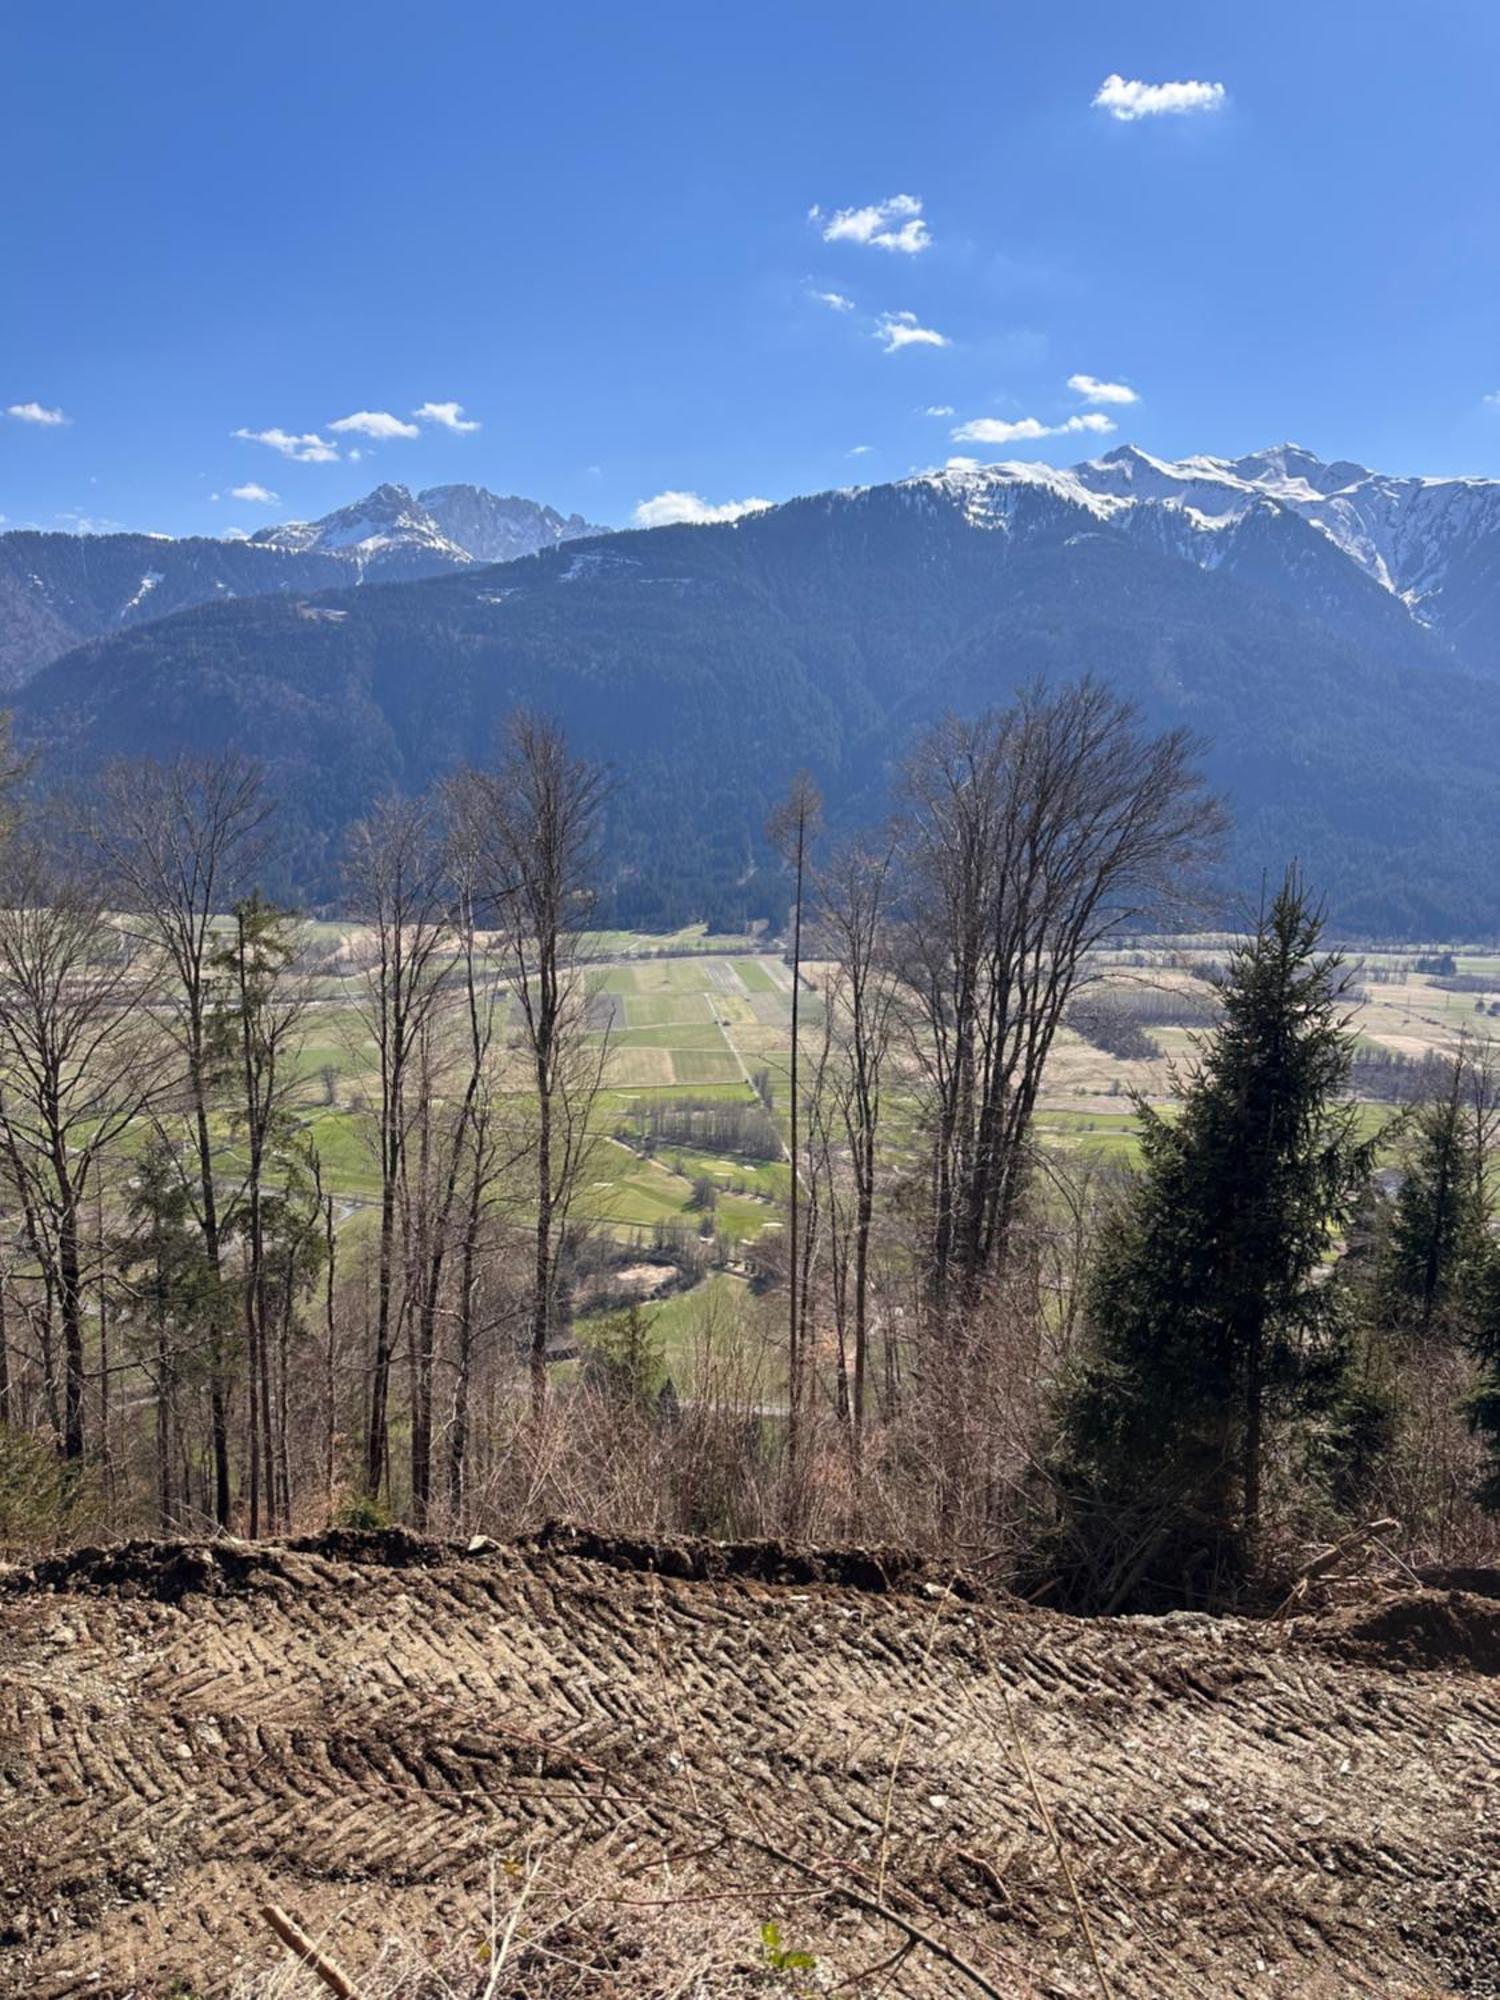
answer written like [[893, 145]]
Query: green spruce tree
[[1484, 1404], [1210, 1319], [1438, 1238]]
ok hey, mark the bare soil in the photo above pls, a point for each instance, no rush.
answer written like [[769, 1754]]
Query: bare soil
[[643, 1752]]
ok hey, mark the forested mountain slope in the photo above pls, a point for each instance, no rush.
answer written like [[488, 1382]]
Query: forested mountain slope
[[706, 663], [59, 590]]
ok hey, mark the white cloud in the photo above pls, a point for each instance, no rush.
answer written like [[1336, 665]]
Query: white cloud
[[1128, 98], [999, 430], [88, 524], [449, 415], [36, 413], [960, 464], [1493, 399], [667, 508], [896, 224], [1093, 390], [377, 424], [307, 448], [859, 451], [902, 329], [938, 410], [835, 301], [253, 490]]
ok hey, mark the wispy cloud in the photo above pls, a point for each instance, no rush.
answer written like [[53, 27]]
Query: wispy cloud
[[1128, 99], [306, 447], [1493, 399], [670, 507], [253, 490], [1093, 390], [902, 329], [835, 301], [377, 424], [80, 523], [449, 415], [36, 413], [859, 451], [938, 410], [1001, 430], [896, 224]]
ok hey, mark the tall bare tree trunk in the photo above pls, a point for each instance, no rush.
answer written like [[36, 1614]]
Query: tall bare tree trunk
[[5, 1409], [533, 827], [71, 1303], [330, 1378], [398, 881], [790, 830]]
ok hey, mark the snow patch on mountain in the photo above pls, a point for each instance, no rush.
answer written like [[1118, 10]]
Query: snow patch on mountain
[[1405, 533], [146, 585]]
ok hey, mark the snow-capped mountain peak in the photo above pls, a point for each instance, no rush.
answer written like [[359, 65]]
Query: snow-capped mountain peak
[[393, 532], [387, 524], [1405, 533], [1433, 544]]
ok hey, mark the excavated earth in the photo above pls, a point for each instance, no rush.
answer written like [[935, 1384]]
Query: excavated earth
[[580, 1766]]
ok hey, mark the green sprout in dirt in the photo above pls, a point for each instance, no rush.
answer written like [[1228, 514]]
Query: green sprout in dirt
[[778, 1957]]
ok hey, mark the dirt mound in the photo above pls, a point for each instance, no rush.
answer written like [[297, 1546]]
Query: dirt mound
[[171, 1570], [1447, 1576], [165, 1571], [1420, 1629], [779, 1564], [673, 1767]]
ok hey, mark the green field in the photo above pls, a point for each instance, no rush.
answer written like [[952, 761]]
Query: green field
[[701, 1023]]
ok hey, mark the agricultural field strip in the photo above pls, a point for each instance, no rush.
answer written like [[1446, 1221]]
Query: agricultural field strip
[[694, 1025]]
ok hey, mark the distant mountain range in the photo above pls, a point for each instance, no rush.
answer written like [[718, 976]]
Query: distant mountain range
[[58, 590], [394, 536], [1333, 633], [1431, 545]]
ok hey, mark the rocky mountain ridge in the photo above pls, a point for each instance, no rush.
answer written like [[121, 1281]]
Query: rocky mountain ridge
[[58, 591]]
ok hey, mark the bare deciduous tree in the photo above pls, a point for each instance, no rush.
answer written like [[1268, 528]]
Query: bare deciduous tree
[[256, 1029], [535, 822], [863, 1001], [791, 830], [477, 1160], [398, 888], [177, 842], [1031, 836], [75, 1051]]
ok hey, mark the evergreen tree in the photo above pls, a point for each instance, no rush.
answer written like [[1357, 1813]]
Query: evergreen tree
[[176, 1295], [1438, 1235], [625, 1359], [1484, 1405], [1208, 1310]]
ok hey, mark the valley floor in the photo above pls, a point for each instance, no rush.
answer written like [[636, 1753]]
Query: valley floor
[[579, 1767]]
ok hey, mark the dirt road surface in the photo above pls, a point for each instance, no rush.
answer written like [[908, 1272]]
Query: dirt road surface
[[558, 1766]]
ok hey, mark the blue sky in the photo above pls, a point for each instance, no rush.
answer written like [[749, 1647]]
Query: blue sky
[[591, 230]]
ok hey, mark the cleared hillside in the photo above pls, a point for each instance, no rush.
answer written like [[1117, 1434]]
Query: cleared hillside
[[393, 1738]]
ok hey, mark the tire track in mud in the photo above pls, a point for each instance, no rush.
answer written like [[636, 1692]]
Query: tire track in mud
[[1244, 1812]]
